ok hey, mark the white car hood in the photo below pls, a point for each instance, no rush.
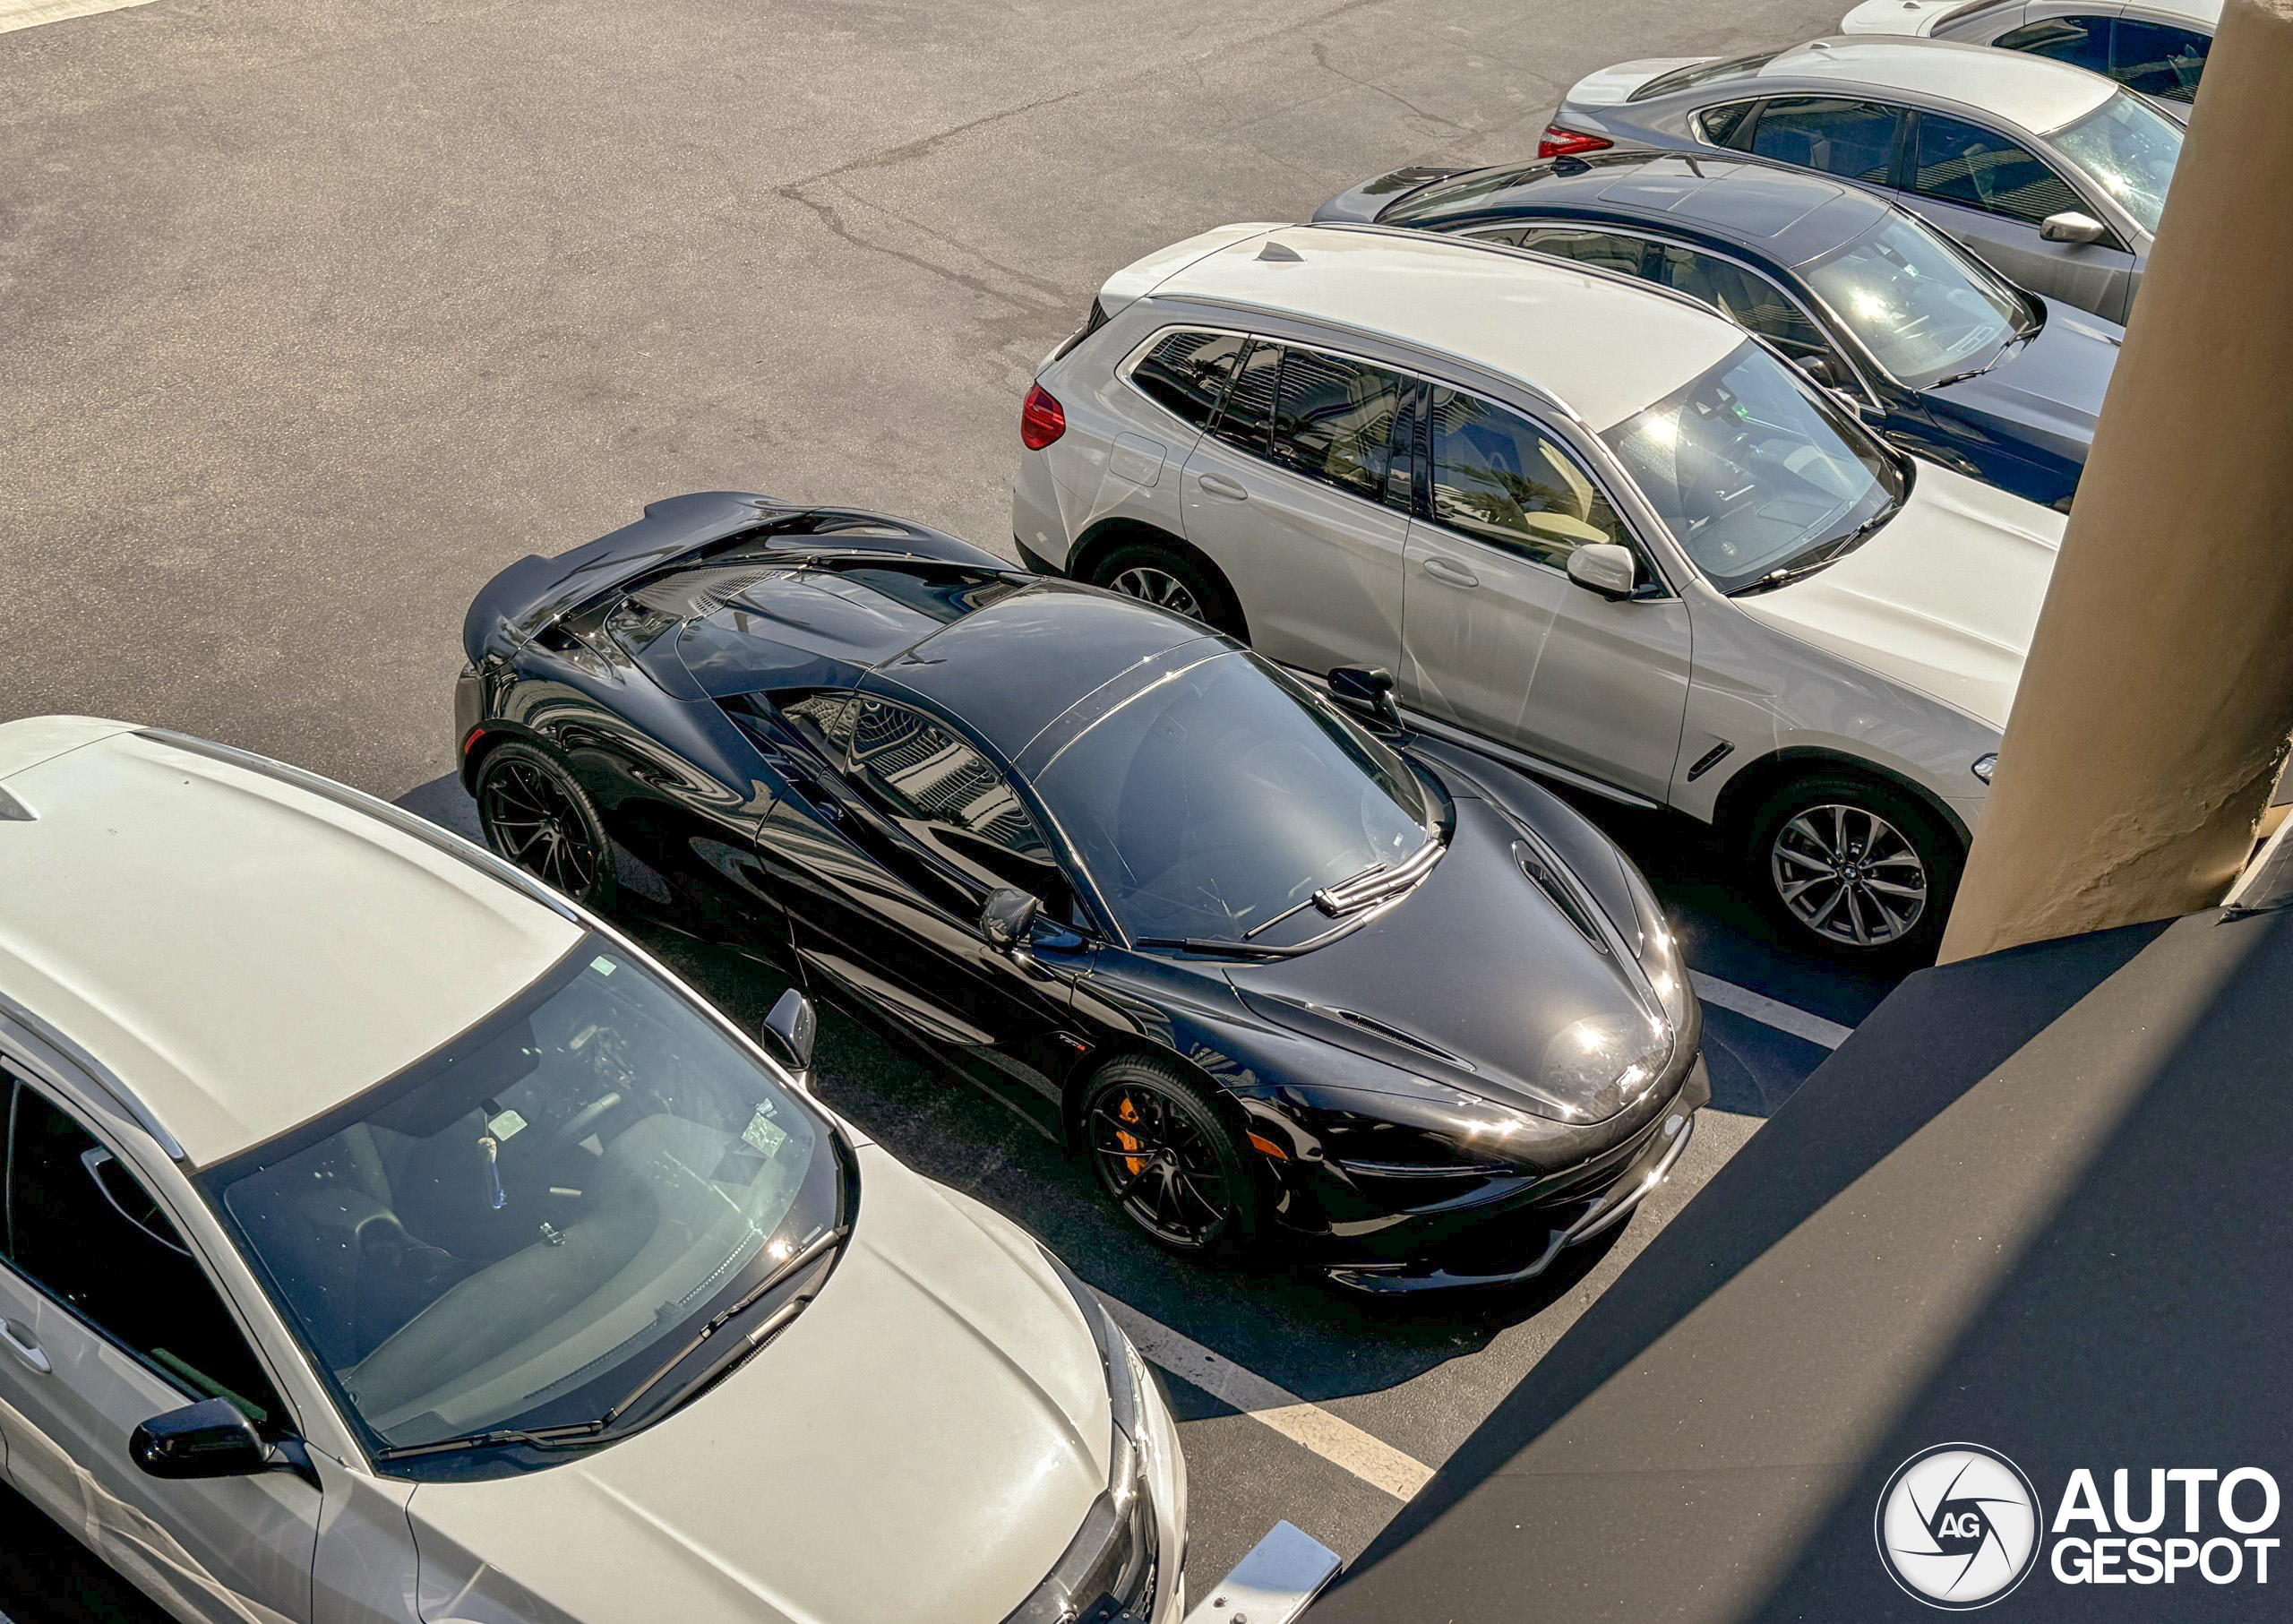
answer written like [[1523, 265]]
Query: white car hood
[[1943, 599], [922, 1442]]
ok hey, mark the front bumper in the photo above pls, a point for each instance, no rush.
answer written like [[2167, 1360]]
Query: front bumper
[[1514, 1247]]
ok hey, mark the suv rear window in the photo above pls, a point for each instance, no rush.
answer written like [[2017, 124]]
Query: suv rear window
[[1703, 73], [1187, 374]]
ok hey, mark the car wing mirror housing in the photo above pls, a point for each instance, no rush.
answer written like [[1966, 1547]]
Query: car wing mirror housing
[[2071, 225], [1605, 568], [1008, 915], [1819, 368], [790, 1028], [1367, 692], [210, 1438]]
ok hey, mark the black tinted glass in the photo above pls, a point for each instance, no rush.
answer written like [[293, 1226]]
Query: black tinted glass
[[1187, 372], [1964, 163], [1499, 478], [1854, 139], [1725, 126], [1604, 249], [2159, 61], [78, 1224], [1747, 299], [944, 793], [2082, 41], [1334, 420], [1248, 415]]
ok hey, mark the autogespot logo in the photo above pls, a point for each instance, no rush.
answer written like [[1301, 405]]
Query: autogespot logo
[[1958, 1526]]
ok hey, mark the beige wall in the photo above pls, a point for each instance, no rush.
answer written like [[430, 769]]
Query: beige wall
[[2159, 691]]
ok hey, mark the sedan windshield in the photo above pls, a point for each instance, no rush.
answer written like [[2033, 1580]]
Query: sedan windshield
[[1218, 800], [2128, 149], [1754, 472], [1926, 312], [520, 1229]]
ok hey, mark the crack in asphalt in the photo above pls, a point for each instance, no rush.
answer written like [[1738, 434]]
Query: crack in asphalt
[[1321, 59]]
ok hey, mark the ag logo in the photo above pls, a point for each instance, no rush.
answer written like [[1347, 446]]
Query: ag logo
[[1958, 1526]]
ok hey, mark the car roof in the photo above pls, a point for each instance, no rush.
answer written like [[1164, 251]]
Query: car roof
[[1603, 347], [241, 951], [1790, 215], [2036, 93], [2205, 13]]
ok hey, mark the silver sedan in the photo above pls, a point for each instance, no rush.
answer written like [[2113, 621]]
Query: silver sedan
[[2054, 175], [2156, 46]]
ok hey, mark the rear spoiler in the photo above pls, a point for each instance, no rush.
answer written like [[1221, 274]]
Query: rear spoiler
[[1363, 205]]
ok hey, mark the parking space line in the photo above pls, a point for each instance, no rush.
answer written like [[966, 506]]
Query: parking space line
[[1767, 1010], [31, 14], [1340, 1442]]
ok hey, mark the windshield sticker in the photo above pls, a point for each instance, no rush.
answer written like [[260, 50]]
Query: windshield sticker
[[506, 1125], [764, 1134], [603, 966]]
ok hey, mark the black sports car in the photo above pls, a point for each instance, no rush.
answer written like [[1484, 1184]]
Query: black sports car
[[1276, 966]]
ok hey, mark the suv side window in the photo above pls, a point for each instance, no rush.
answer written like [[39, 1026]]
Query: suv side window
[[1855, 140], [1606, 249], [1744, 296], [1247, 417], [949, 799], [2082, 41], [2157, 60], [1502, 480], [1963, 163], [1334, 420], [1187, 374], [76, 1223]]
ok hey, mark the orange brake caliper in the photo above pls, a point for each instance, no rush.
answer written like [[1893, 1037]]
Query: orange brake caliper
[[1128, 1113]]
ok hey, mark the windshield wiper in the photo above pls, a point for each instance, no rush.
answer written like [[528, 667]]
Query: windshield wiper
[[1831, 555], [536, 1437]]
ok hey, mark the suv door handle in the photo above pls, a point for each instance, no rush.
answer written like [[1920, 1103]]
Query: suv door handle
[[22, 1347], [1218, 484], [1450, 571]]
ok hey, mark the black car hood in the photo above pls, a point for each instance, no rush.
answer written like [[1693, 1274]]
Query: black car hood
[[1481, 979], [2050, 392]]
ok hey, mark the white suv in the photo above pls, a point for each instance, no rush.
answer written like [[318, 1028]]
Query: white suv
[[388, 1240], [1596, 530]]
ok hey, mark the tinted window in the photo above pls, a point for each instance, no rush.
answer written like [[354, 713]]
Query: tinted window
[[2157, 60], [1187, 372], [2128, 149], [1725, 126], [1926, 309], [946, 795], [1334, 420], [1501, 479], [1754, 470], [1248, 415], [107, 1250], [1854, 139], [2084, 41], [1963, 163], [1605, 249], [1745, 298], [1215, 802]]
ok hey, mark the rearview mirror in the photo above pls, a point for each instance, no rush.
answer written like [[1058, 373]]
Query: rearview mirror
[[1367, 692], [2071, 226], [790, 1027], [1005, 919], [210, 1439], [1605, 568]]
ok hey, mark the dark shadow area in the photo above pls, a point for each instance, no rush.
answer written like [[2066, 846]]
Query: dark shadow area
[[1459, 1550], [49, 1577]]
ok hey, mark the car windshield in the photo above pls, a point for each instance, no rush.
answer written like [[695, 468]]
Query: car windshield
[[1926, 312], [1754, 472], [2128, 149], [1218, 799], [516, 1231], [1711, 71]]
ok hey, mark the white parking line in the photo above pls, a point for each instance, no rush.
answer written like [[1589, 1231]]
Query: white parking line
[[1340, 1442], [30, 14], [1767, 1010]]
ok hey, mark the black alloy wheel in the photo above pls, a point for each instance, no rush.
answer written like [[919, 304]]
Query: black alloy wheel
[[1165, 1158], [1857, 868], [534, 814], [1173, 580]]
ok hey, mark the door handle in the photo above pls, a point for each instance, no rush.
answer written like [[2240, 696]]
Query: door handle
[[1218, 484], [22, 1347], [1450, 571]]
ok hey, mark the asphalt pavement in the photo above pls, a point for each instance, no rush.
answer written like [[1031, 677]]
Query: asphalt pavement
[[318, 312]]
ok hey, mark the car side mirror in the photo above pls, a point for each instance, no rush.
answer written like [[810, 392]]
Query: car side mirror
[[1367, 692], [1005, 919], [2071, 226], [1605, 568], [790, 1027], [210, 1438]]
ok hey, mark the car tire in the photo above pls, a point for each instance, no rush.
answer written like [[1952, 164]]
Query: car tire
[[1829, 856], [1171, 578], [536, 814], [1163, 1154]]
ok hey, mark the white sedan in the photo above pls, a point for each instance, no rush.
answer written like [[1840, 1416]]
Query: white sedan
[[390, 1242]]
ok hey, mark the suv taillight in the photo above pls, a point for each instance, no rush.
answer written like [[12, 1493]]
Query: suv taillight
[[1560, 141], [1042, 419]]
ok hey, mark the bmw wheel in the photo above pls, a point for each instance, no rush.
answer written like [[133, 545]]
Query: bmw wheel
[[1172, 579], [1856, 868], [1165, 1158], [536, 815]]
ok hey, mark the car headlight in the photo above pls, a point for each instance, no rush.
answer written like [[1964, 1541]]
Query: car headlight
[[1984, 766], [1110, 1569]]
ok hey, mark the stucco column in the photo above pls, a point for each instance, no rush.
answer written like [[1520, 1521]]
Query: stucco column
[[2159, 690]]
